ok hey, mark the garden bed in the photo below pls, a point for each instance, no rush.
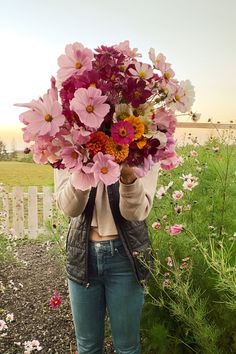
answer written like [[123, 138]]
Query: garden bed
[[26, 289]]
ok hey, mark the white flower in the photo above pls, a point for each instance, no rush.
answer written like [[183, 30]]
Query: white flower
[[141, 71], [181, 160], [10, 317], [189, 176], [161, 192], [3, 325], [169, 261], [35, 345], [195, 116], [189, 184], [189, 93]]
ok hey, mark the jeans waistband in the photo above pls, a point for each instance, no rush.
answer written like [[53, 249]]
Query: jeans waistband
[[105, 247]]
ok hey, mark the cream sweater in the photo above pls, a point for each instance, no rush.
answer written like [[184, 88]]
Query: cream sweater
[[135, 200]]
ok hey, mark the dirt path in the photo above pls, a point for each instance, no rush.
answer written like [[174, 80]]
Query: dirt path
[[25, 290]]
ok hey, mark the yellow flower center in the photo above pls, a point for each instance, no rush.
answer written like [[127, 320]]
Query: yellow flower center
[[112, 77], [48, 118], [177, 98], [93, 85], [89, 108], [167, 76], [78, 65], [74, 155], [190, 184], [137, 94], [122, 132], [142, 74], [104, 170]]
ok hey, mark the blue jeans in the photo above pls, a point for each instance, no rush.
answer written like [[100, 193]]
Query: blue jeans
[[113, 286]]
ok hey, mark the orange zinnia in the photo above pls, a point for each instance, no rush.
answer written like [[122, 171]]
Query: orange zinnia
[[119, 151], [97, 143], [137, 125]]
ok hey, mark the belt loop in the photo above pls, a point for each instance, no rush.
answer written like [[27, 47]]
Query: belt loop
[[112, 247]]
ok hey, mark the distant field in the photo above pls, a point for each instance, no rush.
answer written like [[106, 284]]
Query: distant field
[[13, 173]]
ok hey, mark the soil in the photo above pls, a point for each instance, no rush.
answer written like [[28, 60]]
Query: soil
[[26, 288]]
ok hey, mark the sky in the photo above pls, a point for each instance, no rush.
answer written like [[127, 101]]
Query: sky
[[197, 38]]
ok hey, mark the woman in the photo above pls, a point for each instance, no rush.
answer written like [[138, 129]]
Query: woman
[[107, 232]]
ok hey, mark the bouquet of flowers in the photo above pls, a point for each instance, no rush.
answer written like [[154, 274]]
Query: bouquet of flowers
[[107, 108]]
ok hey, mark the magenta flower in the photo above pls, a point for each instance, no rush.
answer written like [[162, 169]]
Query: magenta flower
[[136, 92], [175, 229], [76, 60], [90, 107], [45, 116], [122, 132], [105, 169], [55, 301]]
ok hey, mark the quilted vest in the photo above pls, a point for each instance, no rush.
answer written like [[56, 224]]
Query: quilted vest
[[133, 234]]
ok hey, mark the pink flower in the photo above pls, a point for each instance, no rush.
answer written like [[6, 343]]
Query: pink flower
[[71, 157], [165, 121], [175, 229], [44, 151], [169, 161], [124, 48], [193, 153], [158, 61], [156, 225], [45, 116], [177, 195], [55, 301], [83, 179], [122, 132], [105, 169], [90, 107], [76, 60]]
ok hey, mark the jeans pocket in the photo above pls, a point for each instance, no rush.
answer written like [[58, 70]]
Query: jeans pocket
[[120, 251]]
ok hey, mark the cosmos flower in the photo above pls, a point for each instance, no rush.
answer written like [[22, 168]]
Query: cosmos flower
[[90, 107], [105, 169], [141, 71], [55, 301], [176, 195], [76, 60], [45, 116], [175, 229]]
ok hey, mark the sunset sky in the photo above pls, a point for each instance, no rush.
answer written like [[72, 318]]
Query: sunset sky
[[197, 37]]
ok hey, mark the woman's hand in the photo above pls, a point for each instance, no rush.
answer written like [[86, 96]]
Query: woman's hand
[[127, 175]]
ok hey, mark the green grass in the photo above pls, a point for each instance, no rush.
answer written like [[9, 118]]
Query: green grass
[[14, 173]]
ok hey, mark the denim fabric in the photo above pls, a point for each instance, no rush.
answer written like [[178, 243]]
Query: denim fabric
[[113, 286]]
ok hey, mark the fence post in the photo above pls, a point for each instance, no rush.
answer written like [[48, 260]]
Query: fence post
[[18, 211], [5, 207], [47, 202], [32, 212]]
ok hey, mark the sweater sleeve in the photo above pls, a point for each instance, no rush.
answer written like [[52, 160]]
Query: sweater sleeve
[[136, 199], [69, 200]]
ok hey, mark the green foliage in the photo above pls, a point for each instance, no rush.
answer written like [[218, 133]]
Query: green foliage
[[191, 296]]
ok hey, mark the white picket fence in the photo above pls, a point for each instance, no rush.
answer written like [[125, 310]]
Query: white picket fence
[[21, 210]]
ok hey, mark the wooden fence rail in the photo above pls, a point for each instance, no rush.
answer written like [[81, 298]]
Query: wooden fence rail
[[24, 214]]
